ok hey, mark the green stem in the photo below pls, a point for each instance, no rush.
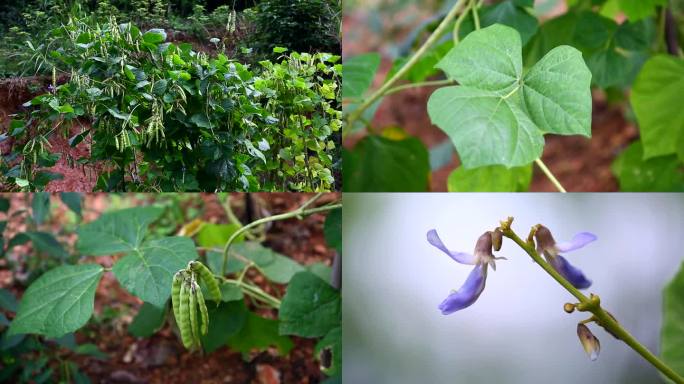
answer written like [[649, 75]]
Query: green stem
[[592, 305], [476, 17], [550, 175], [435, 83], [254, 291], [434, 37], [299, 212]]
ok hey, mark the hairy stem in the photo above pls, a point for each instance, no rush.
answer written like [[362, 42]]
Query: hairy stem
[[549, 175], [434, 37], [592, 305], [299, 213]]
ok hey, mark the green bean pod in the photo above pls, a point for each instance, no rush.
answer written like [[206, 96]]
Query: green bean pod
[[194, 327], [175, 294], [184, 313], [203, 311], [208, 278]]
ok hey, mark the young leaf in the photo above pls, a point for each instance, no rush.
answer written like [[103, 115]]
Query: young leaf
[[656, 98], [497, 115], [672, 332], [115, 232], [639, 9], [58, 302], [147, 271], [310, 308]]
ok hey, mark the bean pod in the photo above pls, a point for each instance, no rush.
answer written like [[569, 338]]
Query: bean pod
[[175, 294], [194, 327], [207, 277], [184, 313], [203, 311]]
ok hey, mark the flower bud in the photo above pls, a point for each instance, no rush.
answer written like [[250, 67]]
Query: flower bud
[[590, 343], [569, 307], [484, 244], [497, 237]]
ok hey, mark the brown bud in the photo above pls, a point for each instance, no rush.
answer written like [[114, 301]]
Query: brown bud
[[497, 238], [569, 307], [590, 343], [545, 240], [484, 244]]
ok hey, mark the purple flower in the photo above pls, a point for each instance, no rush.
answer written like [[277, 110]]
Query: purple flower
[[475, 283], [51, 89], [551, 250]]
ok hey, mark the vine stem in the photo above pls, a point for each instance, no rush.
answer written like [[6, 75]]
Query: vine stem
[[299, 213], [434, 37], [549, 175], [591, 304], [435, 83]]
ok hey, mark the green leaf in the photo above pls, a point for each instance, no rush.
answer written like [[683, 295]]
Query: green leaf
[[506, 13], [497, 115], [488, 59], [358, 73], [672, 331], [91, 350], [73, 201], [159, 87], [200, 120], [217, 235], [148, 320], [224, 321], [155, 36], [147, 271], [493, 178], [557, 93], [259, 333], [40, 206], [7, 300], [118, 231], [231, 292], [593, 31], [656, 174], [639, 9], [4, 204], [656, 99], [42, 241], [310, 308], [609, 68], [277, 268], [485, 128], [321, 270], [58, 302], [379, 164], [636, 36], [332, 229], [553, 33], [333, 342]]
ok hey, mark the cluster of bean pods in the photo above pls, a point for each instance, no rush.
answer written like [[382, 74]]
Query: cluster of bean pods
[[187, 299]]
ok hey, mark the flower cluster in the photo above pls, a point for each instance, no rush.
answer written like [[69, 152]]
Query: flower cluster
[[483, 257]]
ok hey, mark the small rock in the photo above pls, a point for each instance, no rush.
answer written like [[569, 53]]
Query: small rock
[[124, 377], [266, 374]]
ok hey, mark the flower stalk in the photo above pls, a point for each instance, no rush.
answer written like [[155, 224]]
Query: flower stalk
[[590, 304]]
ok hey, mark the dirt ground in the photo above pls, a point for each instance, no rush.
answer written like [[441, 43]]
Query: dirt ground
[[580, 164], [161, 358]]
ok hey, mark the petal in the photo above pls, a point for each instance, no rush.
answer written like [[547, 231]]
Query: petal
[[579, 241], [461, 257], [572, 274], [468, 293]]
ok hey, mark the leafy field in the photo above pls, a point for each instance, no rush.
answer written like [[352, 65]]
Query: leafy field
[[508, 83], [178, 101], [88, 285]]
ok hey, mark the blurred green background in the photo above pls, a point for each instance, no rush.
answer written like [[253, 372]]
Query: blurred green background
[[517, 331]]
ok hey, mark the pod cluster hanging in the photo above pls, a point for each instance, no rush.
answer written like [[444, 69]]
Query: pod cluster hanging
[[187, 299]]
